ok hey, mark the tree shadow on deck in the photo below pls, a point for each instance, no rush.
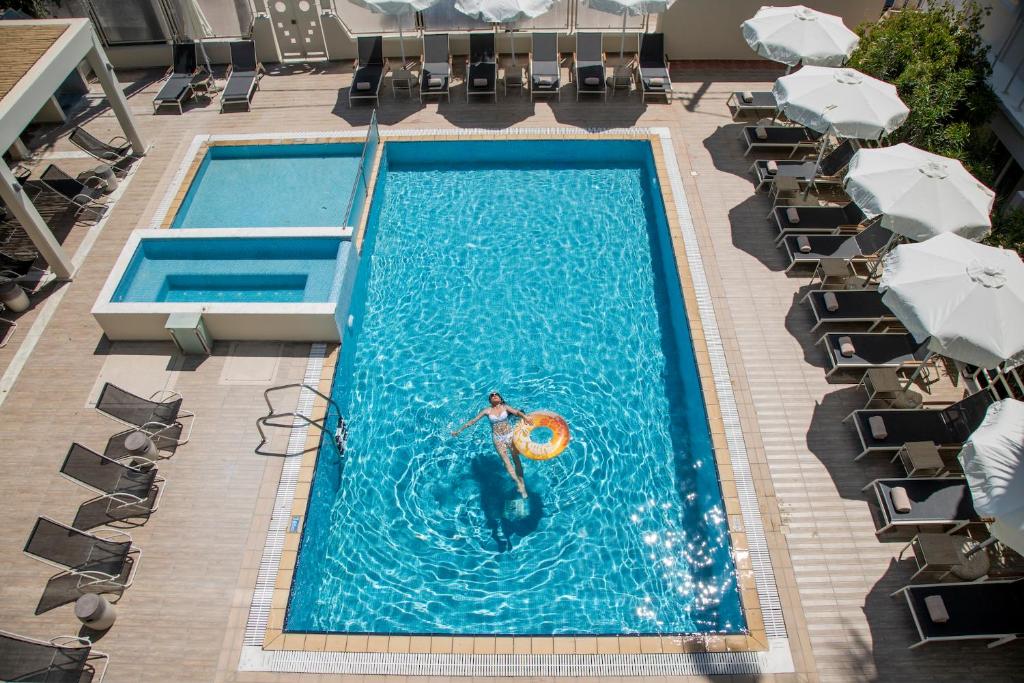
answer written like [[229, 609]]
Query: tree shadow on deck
[[752, 233]]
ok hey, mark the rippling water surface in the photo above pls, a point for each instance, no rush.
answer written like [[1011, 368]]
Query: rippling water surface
[[542, 270]]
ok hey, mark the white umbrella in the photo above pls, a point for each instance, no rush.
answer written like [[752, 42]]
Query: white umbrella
[[398, 9], [504, 11], [630, 8], [991, 459], [920, 194], [799, 35], [966, 298], [196, 26]]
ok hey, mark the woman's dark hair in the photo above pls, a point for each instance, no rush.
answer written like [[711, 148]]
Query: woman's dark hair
[[493, 394]]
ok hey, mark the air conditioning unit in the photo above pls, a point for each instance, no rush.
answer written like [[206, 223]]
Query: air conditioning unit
[[189, 333]]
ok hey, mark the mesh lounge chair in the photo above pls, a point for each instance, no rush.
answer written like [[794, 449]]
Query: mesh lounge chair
[[155, 417], [77, 193], [991, 610], [949, 426], [756, 103], [828, 172], [7, 328], [850, 306], [790, 139], [871, 350], [588, 65], [101, 564], [934, 502], [116, 154], [858, 248], [481, 66], [64, 659], [545, 66], [652, 67], [436, 77], [370, 69], [130, 490], [244, 75], [817, 220], [178, 88]]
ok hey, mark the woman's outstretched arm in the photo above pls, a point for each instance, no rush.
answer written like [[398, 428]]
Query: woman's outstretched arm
[[470, 423]]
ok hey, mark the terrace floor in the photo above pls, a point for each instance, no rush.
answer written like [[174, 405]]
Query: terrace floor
[[183, 618]]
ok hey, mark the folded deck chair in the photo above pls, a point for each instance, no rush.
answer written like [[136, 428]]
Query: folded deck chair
[[482, 66], [910, 503], [829, 172], [68, 659], [369, 71], [808, 250], [588, 65], [545, 66], [100, 564], [117, 155], [817, 220], [127, 489], [154, 417], [848, 307], [756, 103], [244, 75], [990, 610], [436, 77], [78, 194], [850, 354], [790, 139], [886, 430], [177, 90], [653, 67]]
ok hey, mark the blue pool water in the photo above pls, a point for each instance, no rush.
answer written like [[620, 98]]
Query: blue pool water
[[262, 186], [268, 270], [543, 270]]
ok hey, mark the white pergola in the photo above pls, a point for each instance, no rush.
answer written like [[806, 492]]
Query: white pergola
[[44, 55]]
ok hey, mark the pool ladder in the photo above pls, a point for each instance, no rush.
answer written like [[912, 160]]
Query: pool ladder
[[339, 435]]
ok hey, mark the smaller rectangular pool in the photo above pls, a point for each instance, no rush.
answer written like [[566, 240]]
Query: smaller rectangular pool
[[263, 186]]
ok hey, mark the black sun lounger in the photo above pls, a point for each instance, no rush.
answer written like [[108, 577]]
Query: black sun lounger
[[817, 220], [934, 502], [156, 418], [482, 66], [853, 248], [545, 66], [100, 564], [369, 71], [177, 90], [127, 490], [757, 103], [243, 75], [116, 152], [64, 659], [886, 430], [75, 192], [653, 67], [790, 139], [848, 306], [990, 610], [828, 172], [437, 66], [870, 350], [588, 65]]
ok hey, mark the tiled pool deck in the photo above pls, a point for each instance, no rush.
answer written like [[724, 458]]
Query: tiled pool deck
[[185, 617]]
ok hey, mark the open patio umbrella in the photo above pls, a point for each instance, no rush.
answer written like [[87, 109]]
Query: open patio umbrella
[[397, 9], [992, 461], [504, 11], [629, 8], [965, 298], [920, 194], [196, 26], [799, 35]]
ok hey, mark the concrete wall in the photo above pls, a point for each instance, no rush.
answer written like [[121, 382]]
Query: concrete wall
[[237, 325], [710, 29]]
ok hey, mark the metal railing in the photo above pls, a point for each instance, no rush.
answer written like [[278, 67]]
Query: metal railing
[[361, 187], [268, 420]]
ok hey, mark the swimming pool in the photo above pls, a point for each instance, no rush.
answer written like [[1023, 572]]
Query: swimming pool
[[260, 186], [489, 266]]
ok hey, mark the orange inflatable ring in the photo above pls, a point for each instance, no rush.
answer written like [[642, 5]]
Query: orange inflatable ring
[[534, 450]]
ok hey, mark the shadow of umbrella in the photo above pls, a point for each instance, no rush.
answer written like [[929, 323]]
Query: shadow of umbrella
[[592, 113], [483, 112], [389, 110]]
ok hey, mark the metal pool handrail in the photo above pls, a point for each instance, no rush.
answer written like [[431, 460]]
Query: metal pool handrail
[[372, 137], [267, 420]]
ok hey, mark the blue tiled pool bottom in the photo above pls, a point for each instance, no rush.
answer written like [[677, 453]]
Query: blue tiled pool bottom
[[263, 186], [239, 270]]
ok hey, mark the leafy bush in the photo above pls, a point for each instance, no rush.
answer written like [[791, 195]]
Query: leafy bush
[[1008, 230]]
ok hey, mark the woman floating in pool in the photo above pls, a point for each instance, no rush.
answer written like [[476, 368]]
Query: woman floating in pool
[[501, 431]]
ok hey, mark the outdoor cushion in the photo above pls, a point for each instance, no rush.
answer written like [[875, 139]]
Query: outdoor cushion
[[592, 80], [877, 425], [831, 302], [793, 215], [803, 244], [747, 96], [936, 609], [435, 82], [480, 82], [761, 132], [772, 166], [846, 347], [900, 499], [363, 85], [545, 80]]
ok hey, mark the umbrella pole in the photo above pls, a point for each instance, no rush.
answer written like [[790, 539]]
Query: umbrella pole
[[512, 42], [918, 371], [622, 37], [401, 41], [984, 544], [878, 261]]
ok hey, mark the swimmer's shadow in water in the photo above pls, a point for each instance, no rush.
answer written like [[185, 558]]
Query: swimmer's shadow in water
[[507, 514]]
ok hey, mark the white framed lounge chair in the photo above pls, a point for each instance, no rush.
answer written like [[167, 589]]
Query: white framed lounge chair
[[911, 503], [157, 416], [758, 104], [653, 78], [244, 74], [988, 610], [63, 658], [545, 73], [589, 66], [102, 564], [436, 74], [369, 69], [482, 66]]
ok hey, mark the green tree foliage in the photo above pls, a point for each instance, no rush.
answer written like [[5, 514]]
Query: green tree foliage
[[1008, 230], [34, 8]]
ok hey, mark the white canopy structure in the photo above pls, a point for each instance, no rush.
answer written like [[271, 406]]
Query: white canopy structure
[[920, 194], [397, 9], [799, 35], [992, 462], [966, 297], [629, 8]]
